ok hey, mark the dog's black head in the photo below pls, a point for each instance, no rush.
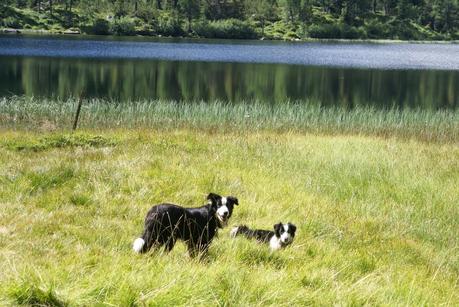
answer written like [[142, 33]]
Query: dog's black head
[[222, 207], [285, 232]]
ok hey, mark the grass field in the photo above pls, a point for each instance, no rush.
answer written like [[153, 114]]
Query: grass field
[[377, 216], [373, 193]]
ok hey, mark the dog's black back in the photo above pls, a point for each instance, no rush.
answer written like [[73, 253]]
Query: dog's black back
[[260, 235], [166, 223]]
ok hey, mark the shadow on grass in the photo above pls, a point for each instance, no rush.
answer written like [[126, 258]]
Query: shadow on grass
[[60, 141], [31, 295]]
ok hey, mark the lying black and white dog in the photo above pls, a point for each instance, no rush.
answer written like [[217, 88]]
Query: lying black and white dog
[[165, 223], [282, 235]]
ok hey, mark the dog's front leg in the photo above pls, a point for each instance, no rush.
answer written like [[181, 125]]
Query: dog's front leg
[[192, 249]]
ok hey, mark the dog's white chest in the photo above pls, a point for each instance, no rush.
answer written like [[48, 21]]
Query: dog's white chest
[[275, 243]]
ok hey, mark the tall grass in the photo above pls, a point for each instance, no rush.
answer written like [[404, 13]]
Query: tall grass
[[23, 113], [377, 218]]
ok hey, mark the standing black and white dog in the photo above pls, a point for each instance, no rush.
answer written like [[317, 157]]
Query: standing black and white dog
[[165, 223], [282, 235]]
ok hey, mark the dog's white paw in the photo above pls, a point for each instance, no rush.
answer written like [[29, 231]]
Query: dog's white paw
[[233, 232]]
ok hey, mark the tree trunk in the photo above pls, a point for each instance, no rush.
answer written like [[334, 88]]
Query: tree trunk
[[263, 27], [51, 7], [158, 4], [69, 15]]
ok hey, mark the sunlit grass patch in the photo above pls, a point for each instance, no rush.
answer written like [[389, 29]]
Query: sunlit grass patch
[[376, 217]]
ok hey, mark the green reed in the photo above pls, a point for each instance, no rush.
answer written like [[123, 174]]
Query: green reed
[[32, 113]]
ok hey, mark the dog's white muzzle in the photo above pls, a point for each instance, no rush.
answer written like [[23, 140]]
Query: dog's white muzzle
[[223, 215]]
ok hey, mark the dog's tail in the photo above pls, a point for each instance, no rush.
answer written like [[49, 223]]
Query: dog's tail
[[138, 245], [144, 242], [238, 230]]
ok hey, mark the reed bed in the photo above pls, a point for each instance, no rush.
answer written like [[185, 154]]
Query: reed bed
[[37, 113]]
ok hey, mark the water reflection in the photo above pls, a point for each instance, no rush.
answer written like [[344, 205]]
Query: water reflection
[[123, 79]]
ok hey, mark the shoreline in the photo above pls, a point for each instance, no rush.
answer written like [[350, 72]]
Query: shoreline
[[70, 33]]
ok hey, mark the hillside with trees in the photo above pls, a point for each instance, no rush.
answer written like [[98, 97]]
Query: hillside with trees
[[244, 19]]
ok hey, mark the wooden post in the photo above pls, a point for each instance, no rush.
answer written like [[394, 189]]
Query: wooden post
[[77, 115]]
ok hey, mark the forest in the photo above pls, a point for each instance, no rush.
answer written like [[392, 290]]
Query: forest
[[239, 19]]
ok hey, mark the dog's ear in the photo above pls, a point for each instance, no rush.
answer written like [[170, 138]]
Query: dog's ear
[[213, 198], [292, 227], [233, 200], [277, 229]]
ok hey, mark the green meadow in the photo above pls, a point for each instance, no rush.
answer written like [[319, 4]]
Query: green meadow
[[374, 195]]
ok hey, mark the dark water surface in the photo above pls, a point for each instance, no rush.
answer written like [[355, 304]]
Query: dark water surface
[[339, 74]]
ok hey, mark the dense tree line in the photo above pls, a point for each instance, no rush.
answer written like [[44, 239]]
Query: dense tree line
[[278, 19]]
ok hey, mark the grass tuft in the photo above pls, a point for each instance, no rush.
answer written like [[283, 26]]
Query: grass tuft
[[31, 295], [59, 141], [47, 179], [83, 200]]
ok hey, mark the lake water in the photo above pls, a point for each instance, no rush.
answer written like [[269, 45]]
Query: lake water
[[331, 74]]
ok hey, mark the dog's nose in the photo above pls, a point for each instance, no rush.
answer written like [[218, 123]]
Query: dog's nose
[[225, 214]]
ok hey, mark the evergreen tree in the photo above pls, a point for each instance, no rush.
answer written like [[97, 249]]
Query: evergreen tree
[[328, 18], [191, 9]]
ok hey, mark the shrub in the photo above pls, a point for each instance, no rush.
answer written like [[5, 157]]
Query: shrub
[[291, 35], [123, 26], [100, 27], [169, 25], [376, 29], [146, 14], [145, 29], [324, 31], [351, 32], [11, 22], [229, 28], [335, 31], [404, 30]]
